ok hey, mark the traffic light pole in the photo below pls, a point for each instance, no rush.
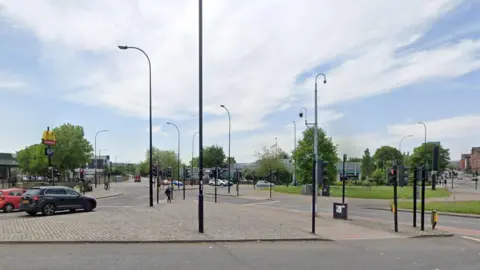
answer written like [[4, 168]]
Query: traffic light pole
[[422, 215], [395, 202], [270, 180], [215, 174], [238, 182], [184, 180], [344, 177], [415, 178]]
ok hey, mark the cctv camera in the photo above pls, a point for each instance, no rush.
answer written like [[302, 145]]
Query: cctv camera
[[301, 115]]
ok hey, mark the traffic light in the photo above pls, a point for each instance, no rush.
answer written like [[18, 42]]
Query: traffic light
[[49, 172], [187, 174], [55, 172], [436, 156], [169, 172], [154, 170], [82, 174], [322, 172], [393, 175], [402, 179]]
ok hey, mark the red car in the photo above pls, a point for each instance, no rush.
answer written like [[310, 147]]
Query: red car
[[10, 199], [137, 178]]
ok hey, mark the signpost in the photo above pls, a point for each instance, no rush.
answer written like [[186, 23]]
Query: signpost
[[49, 139]]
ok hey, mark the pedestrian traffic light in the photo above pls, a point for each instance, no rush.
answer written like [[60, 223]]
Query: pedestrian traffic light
[[393, 175], [436, 156], [169, 172], [187, 174], [56, 172], [154, 170], [322, 172], [402, 179]]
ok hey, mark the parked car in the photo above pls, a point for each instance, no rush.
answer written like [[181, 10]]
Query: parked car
[[262, 184], [177, 183], [10, 199], [137, 179], [212, 182], [50, 199]]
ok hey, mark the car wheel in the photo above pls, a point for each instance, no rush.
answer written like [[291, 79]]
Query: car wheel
[[32, 213], [88, 207], [72, 210], [48, 209], [8, 208]]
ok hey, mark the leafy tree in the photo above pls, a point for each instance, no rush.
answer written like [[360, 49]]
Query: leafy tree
[[32, 159], [270, 157], [385, 155], [327, 151], [213, 155], [195, 162], [354, 159], [232, 160], [164, 158], [367, 163], [419, 156], [72, 150], [379, 176]]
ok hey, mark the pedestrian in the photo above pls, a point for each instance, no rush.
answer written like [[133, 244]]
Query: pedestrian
[[168, 193]]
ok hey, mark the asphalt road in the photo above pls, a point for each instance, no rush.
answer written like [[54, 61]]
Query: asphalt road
[[439, 253]]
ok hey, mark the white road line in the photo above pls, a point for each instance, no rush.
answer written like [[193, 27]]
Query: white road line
[[259, 203], [471, 238]]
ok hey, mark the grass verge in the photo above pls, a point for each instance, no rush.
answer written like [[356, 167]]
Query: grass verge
[[460, 207], [377, 192]]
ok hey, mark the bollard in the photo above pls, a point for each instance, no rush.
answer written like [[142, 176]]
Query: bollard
[[392, 208], [434, 219]]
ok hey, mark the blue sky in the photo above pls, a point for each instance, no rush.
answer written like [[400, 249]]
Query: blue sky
[[388, 67]]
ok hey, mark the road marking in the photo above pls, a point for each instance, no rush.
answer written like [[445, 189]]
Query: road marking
[[259, 203], [471, 238], [116, 206]]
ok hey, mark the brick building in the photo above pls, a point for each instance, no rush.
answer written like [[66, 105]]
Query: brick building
[[475, 159], [464, 162]]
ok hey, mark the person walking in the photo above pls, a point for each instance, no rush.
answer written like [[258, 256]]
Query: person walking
[[168, 193]]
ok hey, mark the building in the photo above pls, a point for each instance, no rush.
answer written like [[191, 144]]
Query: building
[[464, 162], [475, 159], [7, 162], [352, 170], [102, 162]]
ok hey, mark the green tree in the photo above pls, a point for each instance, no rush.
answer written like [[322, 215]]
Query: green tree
[[327, 151], [379, 176], [367, 164], [164, 158], [271, 157], [354, 159], [213, 155], [232, 160], [419, 156], [72, 150], [32, 159], [385, 155], [195, 162]]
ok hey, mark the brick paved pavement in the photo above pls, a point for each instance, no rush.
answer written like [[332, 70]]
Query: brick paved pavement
[[179, 221]]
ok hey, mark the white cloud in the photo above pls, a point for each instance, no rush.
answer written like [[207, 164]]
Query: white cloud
[[157, 129], [11, 82], [250, 63], [459, 134]]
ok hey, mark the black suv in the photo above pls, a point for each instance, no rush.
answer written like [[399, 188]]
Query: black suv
[[48, 200]]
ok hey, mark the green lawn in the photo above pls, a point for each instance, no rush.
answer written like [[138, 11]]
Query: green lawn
[[462, 207], [378, 192]]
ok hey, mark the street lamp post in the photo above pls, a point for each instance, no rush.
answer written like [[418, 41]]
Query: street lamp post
[[200, 116], [95, 155], [178, 153], [315, 137], [193, 147], [294, 152], [229, 144], [401, 140], [150, 118], [422, 224]]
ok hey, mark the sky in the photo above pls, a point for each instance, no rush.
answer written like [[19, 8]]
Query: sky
[[389, 65]]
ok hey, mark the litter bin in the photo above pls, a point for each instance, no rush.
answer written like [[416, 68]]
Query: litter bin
[[326, 191]]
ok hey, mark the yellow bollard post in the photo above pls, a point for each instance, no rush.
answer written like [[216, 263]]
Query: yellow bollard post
[[392, 208], [434, 219]]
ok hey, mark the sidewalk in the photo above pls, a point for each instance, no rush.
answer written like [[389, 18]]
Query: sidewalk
[[178, 222], [101, 193]]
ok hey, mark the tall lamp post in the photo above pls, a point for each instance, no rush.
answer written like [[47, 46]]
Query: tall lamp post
[[422, 224], [200, 116], [294, 152], [150, 118], [229, 144], [95, 155], [401, 140], [193, 147], [178, 153]]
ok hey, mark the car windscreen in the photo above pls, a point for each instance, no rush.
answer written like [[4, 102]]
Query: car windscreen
[[33, 191]]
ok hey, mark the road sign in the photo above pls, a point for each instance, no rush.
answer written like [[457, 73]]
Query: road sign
[[48, 137], [49, 151]]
